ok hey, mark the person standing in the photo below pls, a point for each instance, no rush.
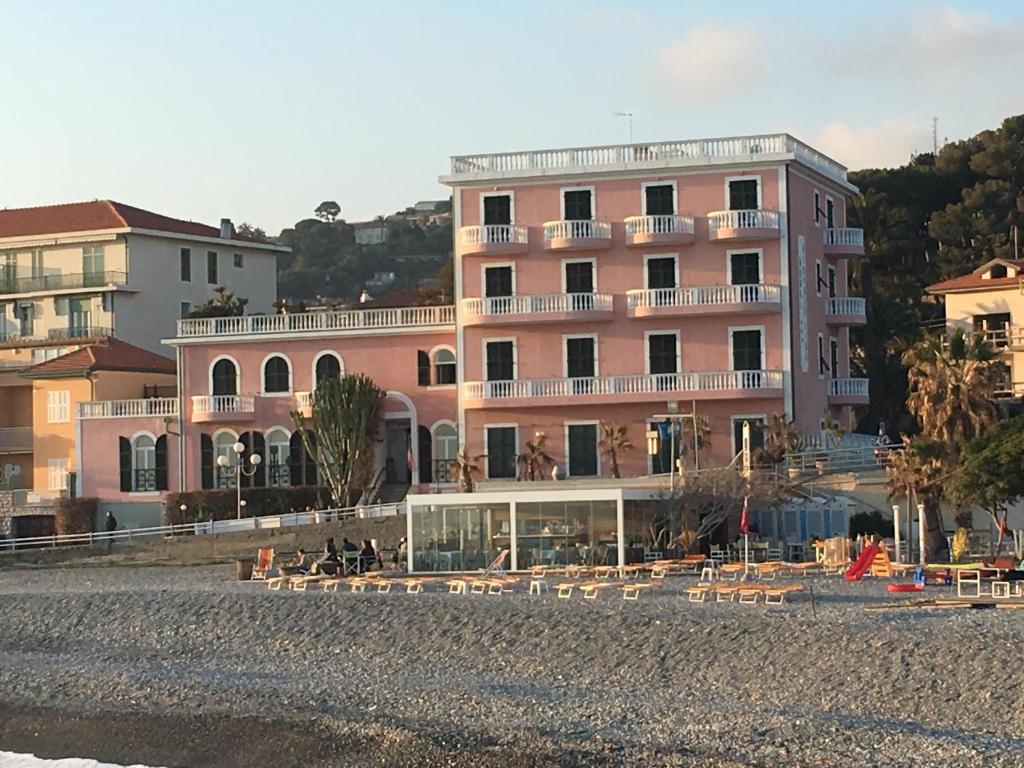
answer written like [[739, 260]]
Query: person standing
[[111, 526]]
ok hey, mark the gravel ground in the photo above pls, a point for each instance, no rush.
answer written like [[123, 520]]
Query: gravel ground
[[191, 668]]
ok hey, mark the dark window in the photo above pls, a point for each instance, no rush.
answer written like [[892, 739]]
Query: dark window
[[580, 362], [582, 449], [498, 209], [661, 462], [254, 443], [833, 348], [756, 434], [501, 452], [444, 367], [161, 463], [831, 282], [822, 365], [659, 200], [425, 454], [993, 326], [225, 378], [661, 353], [185, 309], [211, 267], [206, 460], [500, 361], [275, 375], [743, 194], [422, 368], [327, 367], [746, 350], [745, 268], [301, 463], [186, 265], [661, 272], [578, 205], [579, 277], [239, 260], [817, 207], [497, 281], [818, 280], [997, 271], [830, 210]]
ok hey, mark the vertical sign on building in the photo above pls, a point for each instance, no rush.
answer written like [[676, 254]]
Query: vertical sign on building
[[801, 273]]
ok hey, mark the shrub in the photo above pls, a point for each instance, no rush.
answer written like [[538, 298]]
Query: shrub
[[76, 515], [868, 523], [203, 506]]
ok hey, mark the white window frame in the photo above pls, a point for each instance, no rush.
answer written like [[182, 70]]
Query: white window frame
[[266, 450], [263, 376], [316, 359], [816, 205], [565, 352], [434, 443], [58, 406], [510, 194], [496, 265], [596, 423], [821, 356], [675, 194], [760, 263], [593, 270], [134, 464], [433, 363], [647, 349], [238, 374], [57, 469], [741, 417], [730, 179], [515, 356], [649, 256], [487, 460], [760, 329], [593, 200], [833, 369]]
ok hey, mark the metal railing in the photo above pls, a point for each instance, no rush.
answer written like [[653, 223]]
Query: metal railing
[[698, 296], [581, 229], [80, 332], [344, 320], [538, 304], [755, 218], [131, 535], [120, 409], [833, 460], [510, 234], [59, 282], [670, 224]]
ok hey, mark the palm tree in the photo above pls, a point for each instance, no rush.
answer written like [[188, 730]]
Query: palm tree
[[700, 425], [614, 442], [917, 473], [464, 468], [534, 460]]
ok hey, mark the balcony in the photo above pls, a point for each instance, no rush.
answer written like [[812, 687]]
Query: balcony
[[844, 241], [704, 300], [577, 235], [304, 404], [538, 308], [846, 310], [493, 239], [720, 385], [207, 408], [848, 392], [15, 440], [755, 224], [127, 409], [61, 282], [659, 230], [79, 335]]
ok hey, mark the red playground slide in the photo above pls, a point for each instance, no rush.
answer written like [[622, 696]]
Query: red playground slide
[[856, 571]]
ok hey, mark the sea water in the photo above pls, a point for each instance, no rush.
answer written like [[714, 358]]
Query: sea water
[[11, 760]]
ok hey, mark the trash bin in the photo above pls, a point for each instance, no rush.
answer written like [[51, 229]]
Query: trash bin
[[243, 569]]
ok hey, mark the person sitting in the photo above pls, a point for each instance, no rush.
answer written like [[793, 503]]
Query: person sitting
[[298, 564], [367, 556], [347, 545], [328, 563]]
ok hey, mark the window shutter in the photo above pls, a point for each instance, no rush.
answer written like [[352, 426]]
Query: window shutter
[[161, 463], [260, 446], [295, 459], [426, 456], [423, 368], [124, 446], [310, 462], [206, 460]]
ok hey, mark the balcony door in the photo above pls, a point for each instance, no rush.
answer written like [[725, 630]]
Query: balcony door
[[833, 356], [501, 360], [501, 452], [748, 356], [743, 194], [498, 287], [995, 327], [92, 265], [497, 210], [579, 284], [577, 205], [79, 317], [756, 433], [659, 200], [663, 359], [582, 450], [581, 363], [662, 278]]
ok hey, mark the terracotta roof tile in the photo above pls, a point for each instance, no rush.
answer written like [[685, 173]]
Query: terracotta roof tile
[[974, 280], [108, 355]]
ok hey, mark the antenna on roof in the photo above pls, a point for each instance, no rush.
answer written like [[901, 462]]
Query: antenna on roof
[[628, 116]]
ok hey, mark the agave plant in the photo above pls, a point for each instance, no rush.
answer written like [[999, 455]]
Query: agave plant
[[614, 442], [534, 460]]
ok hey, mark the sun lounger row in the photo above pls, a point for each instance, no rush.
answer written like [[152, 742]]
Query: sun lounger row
[[773, 594]]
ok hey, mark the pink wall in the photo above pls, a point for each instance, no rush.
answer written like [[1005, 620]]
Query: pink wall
[[101, 459]]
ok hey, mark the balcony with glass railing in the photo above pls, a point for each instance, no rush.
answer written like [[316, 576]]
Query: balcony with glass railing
[[207, 408], [848, 392], [537, 308], [18, 284], [575, 235], [659, 230], [754, 224], [704, 300], [846, 310], [711, 385], [843, 241], [493, 239]]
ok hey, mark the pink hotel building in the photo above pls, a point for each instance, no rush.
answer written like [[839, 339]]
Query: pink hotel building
[[598, 284]]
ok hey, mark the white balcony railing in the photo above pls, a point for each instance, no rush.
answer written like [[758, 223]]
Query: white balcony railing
[[304, 399], [659, 225], [623, 385], [494, 233], [120, 409], [707, 295], [757, 218], [345, 320], [223, 404], [537, 304], [846, 305], [846, 236], [586, 229], [848, 387]]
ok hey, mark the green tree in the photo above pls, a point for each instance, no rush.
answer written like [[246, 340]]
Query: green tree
[[225, 304], [250, 231], [328, 211], [535, 459]]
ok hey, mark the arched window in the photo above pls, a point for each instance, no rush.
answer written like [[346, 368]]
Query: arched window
[[278, 451], [300, 461], [446, 448], [276, 375], [144, 463], [225, 377], [444, 366], [328, 366], [143, 460], [222, 446]]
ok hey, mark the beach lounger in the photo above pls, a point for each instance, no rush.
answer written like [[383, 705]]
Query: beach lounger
[[565, 589], [767, 571], [698, 593], [806, 569], [457, 587], [724, 593], [299, 583], [331, 584], [539, 586], [264, 564], [776, 595], [750, 593], [497, 566], [632, 591], [276, 582], [730, 571], [606, 571], [413, 586], [591, 590]]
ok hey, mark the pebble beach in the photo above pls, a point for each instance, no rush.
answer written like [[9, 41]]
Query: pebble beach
[[183, 666]]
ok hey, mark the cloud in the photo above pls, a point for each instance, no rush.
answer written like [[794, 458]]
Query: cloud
[[710, 62], [886, 144]]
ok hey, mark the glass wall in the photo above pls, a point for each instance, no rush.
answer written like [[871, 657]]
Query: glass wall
[[459, 537], [566, 533]]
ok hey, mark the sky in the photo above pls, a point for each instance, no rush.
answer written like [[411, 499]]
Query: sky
[[258, 111]]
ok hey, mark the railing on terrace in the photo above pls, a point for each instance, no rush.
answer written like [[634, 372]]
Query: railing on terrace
[[582, 229], [848, 387], [80, 332], [704, 295], [538, 304], [623, 385], [31, 284], [848, 236], [200, 529], [494, 233], [740, 148], [350, 319], [119, 409], [15, 439], [659, 225], [756, 218], [846, 305], [834, 460], [223, 404]]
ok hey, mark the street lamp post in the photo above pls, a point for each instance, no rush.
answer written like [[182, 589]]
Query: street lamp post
[[238, 469]]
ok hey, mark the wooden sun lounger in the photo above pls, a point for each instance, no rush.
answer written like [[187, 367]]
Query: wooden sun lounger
[[591, 590], [768, 571], [331, 584], [777, 595], [724, 593], [457, 587], [413, 586], [606, 571], [276, 582], [632, 591], [698, 593], [538, 586], [730, 571], [565, 589], [804, 569]]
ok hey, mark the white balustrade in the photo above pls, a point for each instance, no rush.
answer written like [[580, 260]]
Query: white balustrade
[[622, 385], [756, 218], [344, 320], [697, 296], [585, 229], [844, 236], [494, 233], [223, 404], [846, 305], [537, 304], [304, 399], [659, 225], [120, 409], [848, 387]]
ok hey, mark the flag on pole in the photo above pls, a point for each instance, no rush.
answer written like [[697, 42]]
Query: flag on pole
[[745, 518]]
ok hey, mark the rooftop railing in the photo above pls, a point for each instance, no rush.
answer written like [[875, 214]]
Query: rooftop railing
[[344, 320]]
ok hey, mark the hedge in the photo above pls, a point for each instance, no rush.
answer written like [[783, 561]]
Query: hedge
[[75, 515], [203, 506]]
